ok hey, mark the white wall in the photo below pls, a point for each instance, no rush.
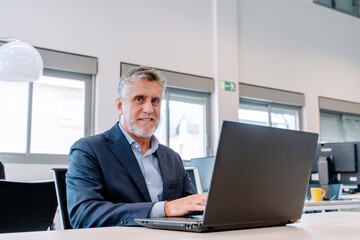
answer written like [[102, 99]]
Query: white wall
[[300, 46], [290, 45], [172, 35]]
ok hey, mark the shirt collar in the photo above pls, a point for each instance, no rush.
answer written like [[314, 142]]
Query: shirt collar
[[154, 142]]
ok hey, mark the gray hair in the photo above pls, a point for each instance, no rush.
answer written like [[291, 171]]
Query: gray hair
[[137, 73]]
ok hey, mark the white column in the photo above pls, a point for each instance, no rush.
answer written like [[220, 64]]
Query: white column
[[225, 47]]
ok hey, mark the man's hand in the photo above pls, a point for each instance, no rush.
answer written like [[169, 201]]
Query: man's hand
[[185, 205]]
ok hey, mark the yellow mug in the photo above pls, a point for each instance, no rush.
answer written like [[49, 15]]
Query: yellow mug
[[317, 194]]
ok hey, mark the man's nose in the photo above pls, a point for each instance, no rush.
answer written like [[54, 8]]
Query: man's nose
[[148, 107]]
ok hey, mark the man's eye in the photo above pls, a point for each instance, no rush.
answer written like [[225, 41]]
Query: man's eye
[[156, 101], [138, 99]]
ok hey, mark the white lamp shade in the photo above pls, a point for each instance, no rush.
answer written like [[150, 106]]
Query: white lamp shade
[[20, 62]]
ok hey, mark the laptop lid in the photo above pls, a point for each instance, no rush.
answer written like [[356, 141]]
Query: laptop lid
[[260, 176], [259, 179], [194, 176]]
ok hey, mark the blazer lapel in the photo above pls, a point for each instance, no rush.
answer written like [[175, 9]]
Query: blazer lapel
[[121, 148], [162, 158]]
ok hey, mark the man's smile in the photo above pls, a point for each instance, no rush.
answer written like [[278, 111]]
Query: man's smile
[[147, 118]]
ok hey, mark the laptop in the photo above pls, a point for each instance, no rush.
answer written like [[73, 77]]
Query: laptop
[[259, 179], [194, 176], [205, 165]]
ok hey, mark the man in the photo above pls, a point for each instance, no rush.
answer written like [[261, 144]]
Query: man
[[124, 173]]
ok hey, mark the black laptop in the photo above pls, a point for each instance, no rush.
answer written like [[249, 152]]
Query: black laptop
[[259, 179]]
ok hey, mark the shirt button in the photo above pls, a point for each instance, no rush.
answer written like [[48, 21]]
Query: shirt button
[[149, 182]]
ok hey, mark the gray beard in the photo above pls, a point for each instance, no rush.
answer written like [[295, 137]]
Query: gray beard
[[138, 132]]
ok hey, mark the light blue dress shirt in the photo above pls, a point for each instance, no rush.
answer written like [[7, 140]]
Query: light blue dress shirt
[[149, 166]]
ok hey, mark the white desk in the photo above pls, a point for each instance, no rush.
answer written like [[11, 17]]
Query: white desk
[[331, 205], [319, 226]]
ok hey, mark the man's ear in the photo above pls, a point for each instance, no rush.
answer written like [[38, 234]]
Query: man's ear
[[119, 105]]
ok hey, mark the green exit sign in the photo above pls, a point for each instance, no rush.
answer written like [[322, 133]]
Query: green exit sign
[[227, 86]]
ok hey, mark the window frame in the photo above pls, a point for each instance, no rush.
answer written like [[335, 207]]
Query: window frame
[[341, 108], [343, 116], [207, 118], [270, 106], [35, 158], [273, 98]]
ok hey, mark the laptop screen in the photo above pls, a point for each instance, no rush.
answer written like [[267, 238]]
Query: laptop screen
[[205, 166], [260, 175]]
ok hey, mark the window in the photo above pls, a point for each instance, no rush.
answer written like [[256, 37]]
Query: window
[[269, 114], [58, 112], [187, 129], [185, 113], [270, 107], [40, 121], [339, 120], [54, 121], [13, 116]]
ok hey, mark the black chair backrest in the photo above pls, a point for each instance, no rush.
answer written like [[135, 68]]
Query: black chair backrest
[[2, 171], [59, 175], [27, 206]]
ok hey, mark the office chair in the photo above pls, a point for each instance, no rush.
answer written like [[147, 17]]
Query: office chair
[[59, 175], [27, 206], [2, 171]]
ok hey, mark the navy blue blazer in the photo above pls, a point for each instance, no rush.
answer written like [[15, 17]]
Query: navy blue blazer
[[105, 186]]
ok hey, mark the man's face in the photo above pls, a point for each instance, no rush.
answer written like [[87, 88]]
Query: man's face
[[141, 109]]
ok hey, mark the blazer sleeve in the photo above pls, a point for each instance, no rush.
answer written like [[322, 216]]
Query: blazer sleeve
[[176, 180], [87, 206], [188, 188]]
